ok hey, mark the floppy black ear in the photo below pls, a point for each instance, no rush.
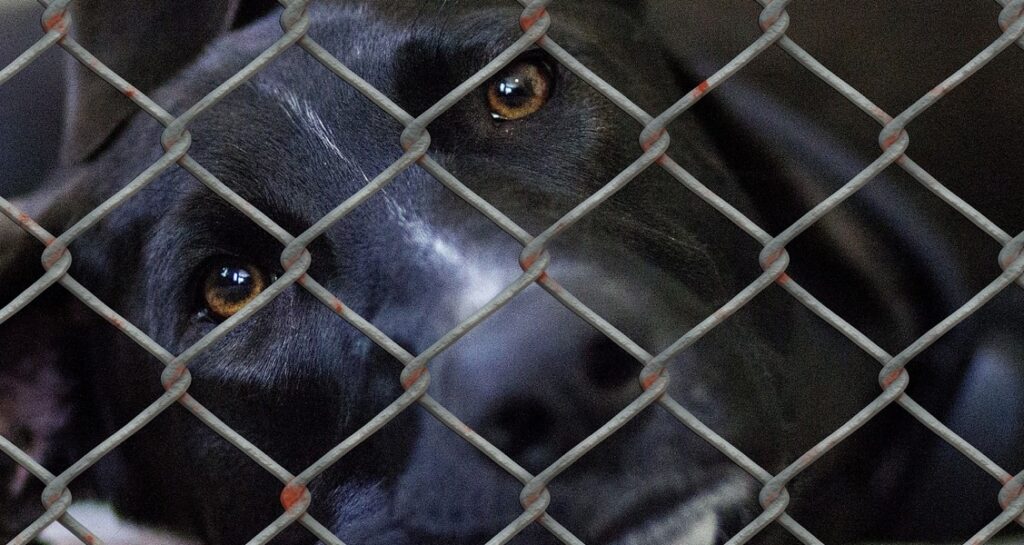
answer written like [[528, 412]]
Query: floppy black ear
[[36, 395], [145, 43]]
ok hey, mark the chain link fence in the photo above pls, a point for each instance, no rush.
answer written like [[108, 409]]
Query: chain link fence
[[415, 140]]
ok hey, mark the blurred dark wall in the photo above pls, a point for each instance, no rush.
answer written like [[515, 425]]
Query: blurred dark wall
[[893, 51], [30, 103]]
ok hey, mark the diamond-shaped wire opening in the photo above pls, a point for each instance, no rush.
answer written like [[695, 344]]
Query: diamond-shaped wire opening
[[870, 62]]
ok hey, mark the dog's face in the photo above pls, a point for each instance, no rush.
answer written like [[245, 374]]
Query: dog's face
[[416, 260]]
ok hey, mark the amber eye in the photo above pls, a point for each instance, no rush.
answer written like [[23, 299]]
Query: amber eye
[[229, 285], [519, 90]]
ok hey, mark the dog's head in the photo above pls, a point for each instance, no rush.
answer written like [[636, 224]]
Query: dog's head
[[416, 260]]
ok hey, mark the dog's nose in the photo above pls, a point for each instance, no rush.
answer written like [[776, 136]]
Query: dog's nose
[[536, 379], [537, 420]]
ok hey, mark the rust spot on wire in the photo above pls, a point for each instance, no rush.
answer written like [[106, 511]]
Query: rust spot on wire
[[527, 21], [1011, 491], [647, 381], [892, 377], [646, 144], [173, 378], [528, 261], [52, 498], [888, 142], [532, 498], [291, 495], [56, 21], [56, 255], [414, 376]]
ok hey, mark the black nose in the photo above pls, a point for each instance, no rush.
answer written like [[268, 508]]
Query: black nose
[[536, 379]]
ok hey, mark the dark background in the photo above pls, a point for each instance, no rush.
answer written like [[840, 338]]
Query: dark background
[[893, 52]]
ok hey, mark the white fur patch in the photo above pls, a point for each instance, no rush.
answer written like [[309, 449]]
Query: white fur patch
[[480, 282], [302, 114], [106, 525], [695, 522], [703, 532]]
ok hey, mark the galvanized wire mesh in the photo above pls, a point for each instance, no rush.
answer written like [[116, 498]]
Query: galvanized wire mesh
[[415, 140]]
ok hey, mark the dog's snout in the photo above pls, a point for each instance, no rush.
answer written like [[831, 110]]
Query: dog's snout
[[534, 379], [587, 381], [541, 379]]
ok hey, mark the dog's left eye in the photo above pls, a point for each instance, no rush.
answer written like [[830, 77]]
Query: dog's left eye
[[519, 90], [230, 285]]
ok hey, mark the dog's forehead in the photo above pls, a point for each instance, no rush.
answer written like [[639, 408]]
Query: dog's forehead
[[373, 39], [297, 114]]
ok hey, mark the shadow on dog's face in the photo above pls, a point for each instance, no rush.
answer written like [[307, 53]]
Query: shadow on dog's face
[[415, 260]]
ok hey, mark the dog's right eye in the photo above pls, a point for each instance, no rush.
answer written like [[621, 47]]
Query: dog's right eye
[[520, 90], [229, 285]]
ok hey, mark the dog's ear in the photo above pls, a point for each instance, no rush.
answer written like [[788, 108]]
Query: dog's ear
[[145, 43], [37, 404]]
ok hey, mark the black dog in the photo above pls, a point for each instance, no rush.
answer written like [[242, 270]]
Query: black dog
[[415, 260]]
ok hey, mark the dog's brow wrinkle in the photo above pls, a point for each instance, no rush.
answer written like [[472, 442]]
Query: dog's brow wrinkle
[[301, 113]]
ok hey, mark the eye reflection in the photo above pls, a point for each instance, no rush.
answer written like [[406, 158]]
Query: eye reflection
[[237, 277], [520, 90], [230, 285]]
